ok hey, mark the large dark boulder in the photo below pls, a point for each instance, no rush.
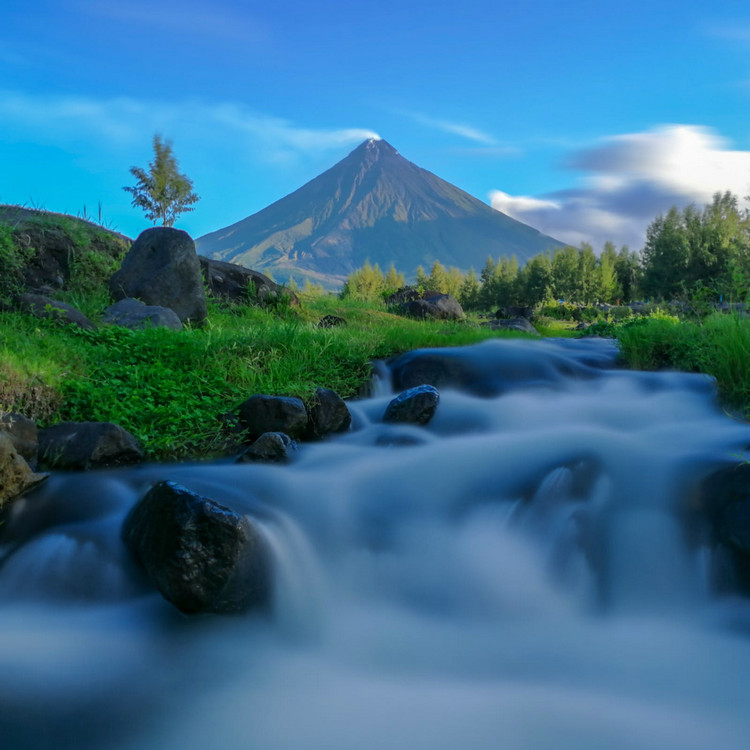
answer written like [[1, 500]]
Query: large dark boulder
[[262, 413], [328, 414], [201, 556], [162, 269], [414, 406], [726, 503], [134, 314], [425, 305], [239, 284], [87, 445], [269, 448], [45, 307], [434, 306]]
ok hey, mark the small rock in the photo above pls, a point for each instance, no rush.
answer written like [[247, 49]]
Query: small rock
[[415, 406], [328, 414], [15, 475], [201, 556], [44, 307], [331, 321], [262, 413], [513, 324], [269, 448], [87, 445], [134, 314]]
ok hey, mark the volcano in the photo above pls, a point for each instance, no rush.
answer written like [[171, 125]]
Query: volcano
[[372, 205]]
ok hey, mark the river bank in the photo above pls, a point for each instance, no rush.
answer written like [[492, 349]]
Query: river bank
[[528, 568]]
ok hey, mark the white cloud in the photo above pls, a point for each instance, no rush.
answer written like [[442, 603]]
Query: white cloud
[[628, 180], [455, 128]]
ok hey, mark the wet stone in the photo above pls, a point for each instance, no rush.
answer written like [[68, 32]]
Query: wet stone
[[414, 406]]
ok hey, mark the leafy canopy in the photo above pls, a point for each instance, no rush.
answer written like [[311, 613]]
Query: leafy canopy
[[162, 192]]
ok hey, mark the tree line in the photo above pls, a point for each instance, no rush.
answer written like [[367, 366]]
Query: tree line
[[690, 251]]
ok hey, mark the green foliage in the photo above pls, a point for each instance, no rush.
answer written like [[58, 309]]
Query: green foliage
[[13, 257], [393, 281], [163, 192], [690, 249], [366, 283]]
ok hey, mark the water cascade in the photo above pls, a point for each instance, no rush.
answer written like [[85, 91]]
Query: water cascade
[[523, 572]]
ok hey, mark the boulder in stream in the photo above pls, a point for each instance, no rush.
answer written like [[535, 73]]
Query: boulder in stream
[[726, 502], [414, 406], [269, 448], [328, 414], [202, 556]]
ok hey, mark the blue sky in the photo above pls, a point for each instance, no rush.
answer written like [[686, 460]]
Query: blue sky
[[581, 119]]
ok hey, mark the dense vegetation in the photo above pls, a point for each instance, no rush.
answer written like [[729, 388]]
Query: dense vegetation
[[689, 255], [173, 389]]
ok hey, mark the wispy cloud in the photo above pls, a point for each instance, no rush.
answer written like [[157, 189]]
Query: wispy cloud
[[192, 17], [628, 180], [124, 121], [739, 32], [454, 128]]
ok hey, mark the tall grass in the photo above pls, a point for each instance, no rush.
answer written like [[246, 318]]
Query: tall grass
[[719, 346]]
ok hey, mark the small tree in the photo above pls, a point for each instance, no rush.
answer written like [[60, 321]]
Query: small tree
[[162, 192]]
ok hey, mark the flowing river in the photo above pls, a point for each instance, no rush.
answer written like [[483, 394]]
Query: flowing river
[[521, 573]]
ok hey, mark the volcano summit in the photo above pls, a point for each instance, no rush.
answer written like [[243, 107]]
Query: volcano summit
[[373, 205]]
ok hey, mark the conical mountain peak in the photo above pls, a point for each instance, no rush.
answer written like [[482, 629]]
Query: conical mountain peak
[[372, 205]]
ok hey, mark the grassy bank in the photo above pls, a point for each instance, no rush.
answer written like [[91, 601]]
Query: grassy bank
[[718, 345], [171, 388]]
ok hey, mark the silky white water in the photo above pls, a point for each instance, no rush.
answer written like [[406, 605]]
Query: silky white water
[[520, 573]]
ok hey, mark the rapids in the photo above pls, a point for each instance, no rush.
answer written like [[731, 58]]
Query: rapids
[[518, 574]]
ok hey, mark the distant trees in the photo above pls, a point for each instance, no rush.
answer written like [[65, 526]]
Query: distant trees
[[687, 252], [694, 248], [162, 192]]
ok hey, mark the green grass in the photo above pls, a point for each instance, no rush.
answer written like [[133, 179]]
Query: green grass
[[719, 346], [171, 388]]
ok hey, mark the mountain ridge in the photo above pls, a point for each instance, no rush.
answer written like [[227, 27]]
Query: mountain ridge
[[372, 205]]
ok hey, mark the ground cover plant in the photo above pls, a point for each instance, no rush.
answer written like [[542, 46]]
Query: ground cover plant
[[172, 388]]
